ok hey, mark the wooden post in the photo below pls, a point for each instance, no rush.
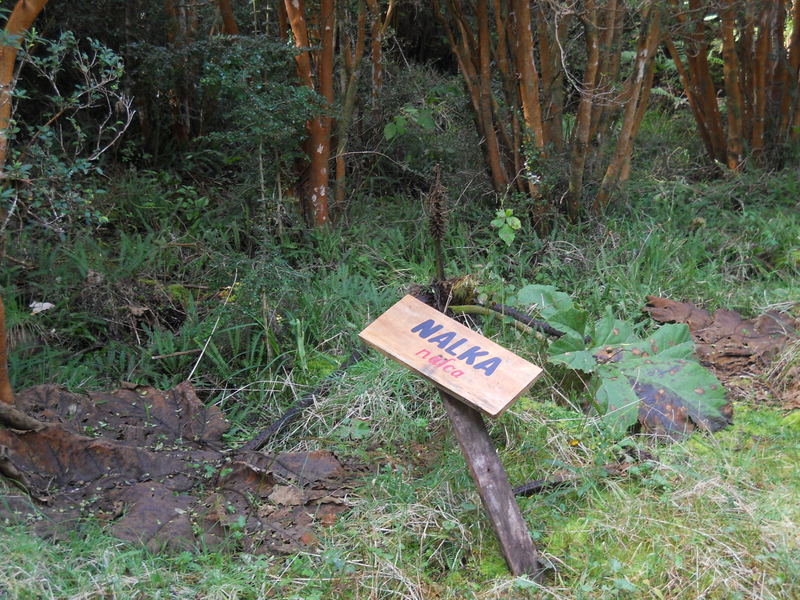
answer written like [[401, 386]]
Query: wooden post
[[472, 374], [490, 477]]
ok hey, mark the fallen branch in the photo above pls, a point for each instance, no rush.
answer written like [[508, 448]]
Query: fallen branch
[[294, 411], [566, 479], [172, 354], [520, 316], [522, 322], [476, 309], [18, 261]]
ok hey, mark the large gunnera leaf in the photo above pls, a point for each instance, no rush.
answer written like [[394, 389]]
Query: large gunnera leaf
[[668, 396], [655, 381]]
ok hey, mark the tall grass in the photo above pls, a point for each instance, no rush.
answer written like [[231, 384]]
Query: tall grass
[[715, 517]]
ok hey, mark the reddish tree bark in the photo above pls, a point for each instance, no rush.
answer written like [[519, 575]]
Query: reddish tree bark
[[638, 96], [473, 53], [760, 68], [229, 25], [378, 25], [499, 174], [527, 74], [733, 90], [6, 393], [20, 20], [552, 77], [316, 193]]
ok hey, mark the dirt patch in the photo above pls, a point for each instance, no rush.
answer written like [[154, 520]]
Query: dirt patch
[[749, 356], [151, 466]]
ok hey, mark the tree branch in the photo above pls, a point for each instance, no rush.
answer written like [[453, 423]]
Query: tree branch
[[293, 412]]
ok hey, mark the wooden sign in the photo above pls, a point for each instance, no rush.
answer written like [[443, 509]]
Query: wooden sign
[[458, 360]]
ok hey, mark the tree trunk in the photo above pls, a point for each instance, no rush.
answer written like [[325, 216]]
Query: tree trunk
[[229, 26], [315, 194], [580, 138], [181, 31], [378, 28], [552, 78], [733, 90], [20, 20], [694, 104], [649, 40], [758, 84], [790, 78], [473, 56], [321, 126], [499, 175], [353, 55], [527, 74], [607, 96], [6, 393]]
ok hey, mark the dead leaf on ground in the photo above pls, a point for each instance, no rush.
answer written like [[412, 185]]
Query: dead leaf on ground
[[740, 351], [150, 465]]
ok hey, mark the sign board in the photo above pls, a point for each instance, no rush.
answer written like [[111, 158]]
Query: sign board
[[458, 360]]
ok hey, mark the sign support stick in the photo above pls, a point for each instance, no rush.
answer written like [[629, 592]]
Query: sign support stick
[[495, 491]]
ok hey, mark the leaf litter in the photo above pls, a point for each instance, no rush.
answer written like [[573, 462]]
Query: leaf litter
[[749, 356], [151, 466]]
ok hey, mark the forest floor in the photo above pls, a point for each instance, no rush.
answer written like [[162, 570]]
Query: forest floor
[[713, 516]]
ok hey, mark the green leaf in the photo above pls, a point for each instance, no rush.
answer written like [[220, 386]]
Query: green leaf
[[545, 297], [675, 395], [672, 340], [569, 342], [617, 402], [580, 360], [506, 234], [609, 330], [425, 120], [514, 222], [570, 320], [389, 131], [655, 381]]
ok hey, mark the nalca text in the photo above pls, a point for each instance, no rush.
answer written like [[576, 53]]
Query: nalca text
[[455, 346]]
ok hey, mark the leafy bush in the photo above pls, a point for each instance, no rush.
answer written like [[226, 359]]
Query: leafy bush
[[70, 110]]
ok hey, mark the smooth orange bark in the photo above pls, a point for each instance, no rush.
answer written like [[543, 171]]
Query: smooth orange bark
[[527, 73], [378, 26], [316, 194], [229, 25], [6, 393], [733, 90], [639, 93], [20, 20]]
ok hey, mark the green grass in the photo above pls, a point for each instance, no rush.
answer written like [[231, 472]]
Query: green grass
[[716, 517]]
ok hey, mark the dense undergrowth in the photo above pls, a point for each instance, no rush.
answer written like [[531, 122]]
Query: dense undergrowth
[[181, 285]]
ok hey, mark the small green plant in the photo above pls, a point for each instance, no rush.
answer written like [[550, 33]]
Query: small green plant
[[409, 115], [506, 224]]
